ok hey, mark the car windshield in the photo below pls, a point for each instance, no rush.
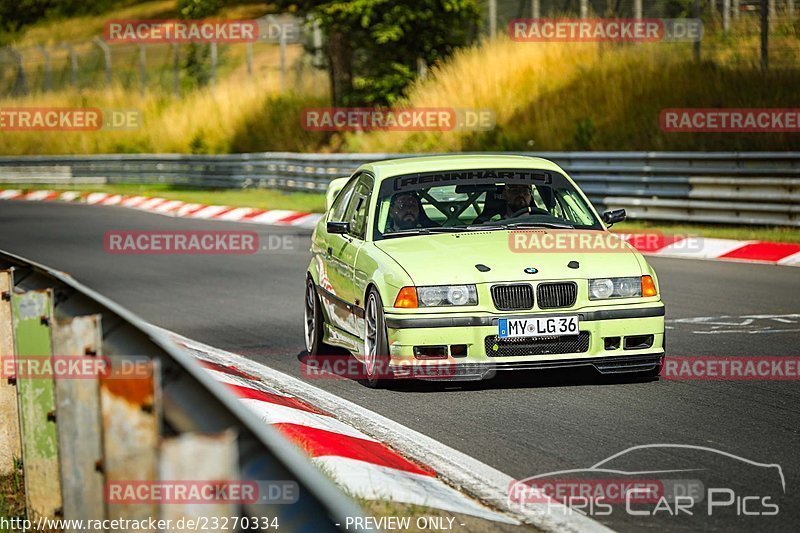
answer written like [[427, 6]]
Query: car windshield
[[478, 200]]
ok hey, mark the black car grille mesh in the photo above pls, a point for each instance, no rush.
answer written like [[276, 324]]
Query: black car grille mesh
[[497, 347], [555, 295], [513, 297]]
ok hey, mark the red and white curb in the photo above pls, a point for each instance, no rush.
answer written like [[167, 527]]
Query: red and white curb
[[175, 208], [358, 448], [688, 247], [695, 247]]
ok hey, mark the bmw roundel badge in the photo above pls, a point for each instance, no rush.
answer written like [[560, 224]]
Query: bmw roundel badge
[[531, 270]]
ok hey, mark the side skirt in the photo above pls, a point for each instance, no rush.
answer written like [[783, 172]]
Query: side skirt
[[336, 337]]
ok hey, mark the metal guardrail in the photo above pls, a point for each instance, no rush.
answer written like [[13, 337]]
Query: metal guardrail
[[175, 422], [721, 187]]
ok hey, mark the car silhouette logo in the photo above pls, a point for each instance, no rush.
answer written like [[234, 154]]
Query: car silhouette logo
[[531, 270]]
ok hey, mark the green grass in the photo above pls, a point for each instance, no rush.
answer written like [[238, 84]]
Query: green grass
[[12, 494]]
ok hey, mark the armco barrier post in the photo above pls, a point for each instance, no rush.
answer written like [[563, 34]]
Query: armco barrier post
[[192, 457], [80, 447], [9, 415], [131, 410], [32, 313]]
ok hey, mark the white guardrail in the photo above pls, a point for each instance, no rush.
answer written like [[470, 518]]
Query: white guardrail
[[715, 187], [154, 417]]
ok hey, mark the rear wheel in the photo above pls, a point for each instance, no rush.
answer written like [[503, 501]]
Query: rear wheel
[[376, 344], [314, 321]]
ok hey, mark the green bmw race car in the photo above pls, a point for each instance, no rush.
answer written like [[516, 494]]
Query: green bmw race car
[[454, 267]]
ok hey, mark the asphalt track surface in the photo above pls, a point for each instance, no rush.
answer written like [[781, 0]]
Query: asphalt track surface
[[524, 424]]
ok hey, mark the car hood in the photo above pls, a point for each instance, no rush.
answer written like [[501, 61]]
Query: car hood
[[451, 258]]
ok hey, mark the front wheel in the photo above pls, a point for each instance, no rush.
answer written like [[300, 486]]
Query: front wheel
[[376, 344]]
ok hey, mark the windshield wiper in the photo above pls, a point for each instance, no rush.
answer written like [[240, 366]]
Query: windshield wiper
[[448, 229], [405, 232], [426, 231], [526, 225]]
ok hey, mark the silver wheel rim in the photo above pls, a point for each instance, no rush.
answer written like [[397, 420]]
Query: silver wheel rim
[[371, 335], [310, 321]]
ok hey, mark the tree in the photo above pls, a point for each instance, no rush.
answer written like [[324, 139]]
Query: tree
[[373, 46], [196, 55]]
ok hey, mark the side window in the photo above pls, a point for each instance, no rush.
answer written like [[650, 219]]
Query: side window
[[338, 209], [358, 209]]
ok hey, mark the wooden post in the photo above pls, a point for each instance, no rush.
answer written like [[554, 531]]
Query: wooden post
[[696, 15], [249, 51], [131, 423], [283, 60], [80, 445], [46, 80], [142, 69], [213, 63], [32, 312], [199, 458], [106, 58], [176, 69], [9, 415], [764, 35]]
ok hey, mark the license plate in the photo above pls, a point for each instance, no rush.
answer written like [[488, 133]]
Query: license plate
[[547, 326]]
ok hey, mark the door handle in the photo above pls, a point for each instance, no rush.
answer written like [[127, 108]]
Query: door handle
[[330, 250]]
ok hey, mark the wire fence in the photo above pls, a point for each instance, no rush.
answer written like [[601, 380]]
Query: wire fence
[[725, 22], [167, 68], [288, 56]]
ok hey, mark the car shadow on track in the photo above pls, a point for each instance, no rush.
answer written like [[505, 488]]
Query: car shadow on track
[[341, 365]]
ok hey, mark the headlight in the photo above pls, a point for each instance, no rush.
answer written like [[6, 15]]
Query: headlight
[[604, 288], [441, 295]]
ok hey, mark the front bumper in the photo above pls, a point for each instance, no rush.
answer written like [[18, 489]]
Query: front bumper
[[485, 354]]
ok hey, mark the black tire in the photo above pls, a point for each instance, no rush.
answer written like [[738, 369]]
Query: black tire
[[314, 320], [376, 343]]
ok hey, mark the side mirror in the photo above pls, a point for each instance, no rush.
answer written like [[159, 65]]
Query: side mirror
[[338, 227], [612, 217]]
